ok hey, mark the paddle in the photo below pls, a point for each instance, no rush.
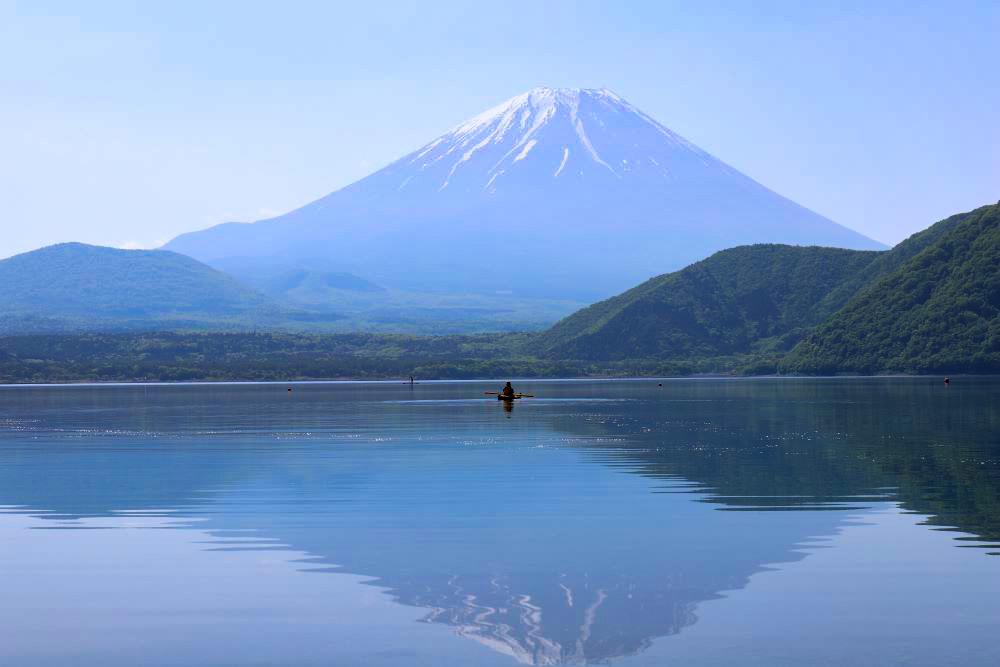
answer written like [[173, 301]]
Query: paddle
[[497, 393]]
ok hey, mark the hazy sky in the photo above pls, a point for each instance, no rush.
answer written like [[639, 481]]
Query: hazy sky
[[126, 123]]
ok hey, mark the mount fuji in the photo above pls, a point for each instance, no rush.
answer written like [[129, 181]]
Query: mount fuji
[[556, 193]]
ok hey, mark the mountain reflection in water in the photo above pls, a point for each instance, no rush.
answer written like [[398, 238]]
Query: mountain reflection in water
[[576, 528]]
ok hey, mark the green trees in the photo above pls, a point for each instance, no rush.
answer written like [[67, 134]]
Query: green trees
[[931, 304], [739, 301], [939, 311], [73, 286]]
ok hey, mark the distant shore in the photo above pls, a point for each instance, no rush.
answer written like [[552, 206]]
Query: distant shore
[[172, 357]]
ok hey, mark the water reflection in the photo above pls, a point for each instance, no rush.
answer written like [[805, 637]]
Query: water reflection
[[571, 530], [822, 445]]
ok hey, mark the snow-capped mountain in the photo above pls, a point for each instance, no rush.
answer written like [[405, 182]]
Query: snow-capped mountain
[[555, 192]]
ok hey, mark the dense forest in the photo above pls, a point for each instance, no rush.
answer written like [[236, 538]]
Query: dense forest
[[938, 312], [175, 357], [737, 301]]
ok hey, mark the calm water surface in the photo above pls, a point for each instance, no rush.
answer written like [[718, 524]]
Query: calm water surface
[[750, 522]]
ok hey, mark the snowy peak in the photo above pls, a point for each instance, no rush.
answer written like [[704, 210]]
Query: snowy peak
[[539, 102], [550, 133]]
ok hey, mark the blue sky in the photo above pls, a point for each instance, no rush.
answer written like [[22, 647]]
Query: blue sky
[[126, 123]]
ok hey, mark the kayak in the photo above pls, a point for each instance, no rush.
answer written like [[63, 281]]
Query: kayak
[[501, 397]]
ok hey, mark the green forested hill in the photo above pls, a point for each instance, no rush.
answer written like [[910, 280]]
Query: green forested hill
[[928, 305], [77, 286], [735, 302], [938, 311], [888, 261]]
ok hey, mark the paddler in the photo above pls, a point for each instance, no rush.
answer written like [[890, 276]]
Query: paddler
[[508, 391]]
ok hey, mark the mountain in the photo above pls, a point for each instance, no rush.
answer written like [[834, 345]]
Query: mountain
[[74, 286], [287, 282], [363, 306], [938, 311], [566, 193], [889, 261], [298, 283], [735, 302], [931, 304]]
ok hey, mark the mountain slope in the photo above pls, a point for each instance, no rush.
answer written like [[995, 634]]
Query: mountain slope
[[939, 311], [888, 261], [73, 285], [730, 303], [556, 192]]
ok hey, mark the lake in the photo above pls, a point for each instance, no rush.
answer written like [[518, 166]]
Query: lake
[[701, 522]]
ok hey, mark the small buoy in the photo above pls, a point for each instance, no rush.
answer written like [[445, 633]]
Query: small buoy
[[289, 389], [660, 385]]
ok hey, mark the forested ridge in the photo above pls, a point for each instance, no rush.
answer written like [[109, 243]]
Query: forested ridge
[[737, 301], [938, 312]]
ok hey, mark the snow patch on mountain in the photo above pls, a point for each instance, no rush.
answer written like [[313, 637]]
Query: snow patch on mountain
[[562, 163], [528, 145], [506, 133]]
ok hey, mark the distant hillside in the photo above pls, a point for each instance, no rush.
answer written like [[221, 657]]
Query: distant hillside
[[303, 280], [889, 261], [938, 311], [734, 302], [364, 306], [74, 286]]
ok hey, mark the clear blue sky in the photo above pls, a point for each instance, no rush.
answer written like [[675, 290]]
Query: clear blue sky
[[126, 123]]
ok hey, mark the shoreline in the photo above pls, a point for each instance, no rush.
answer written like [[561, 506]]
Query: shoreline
[[521, 380]]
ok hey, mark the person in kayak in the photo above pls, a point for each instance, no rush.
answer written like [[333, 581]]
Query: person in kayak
[[508, 391]]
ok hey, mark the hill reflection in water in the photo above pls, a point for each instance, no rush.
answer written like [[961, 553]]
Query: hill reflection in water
[[577, 530]]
